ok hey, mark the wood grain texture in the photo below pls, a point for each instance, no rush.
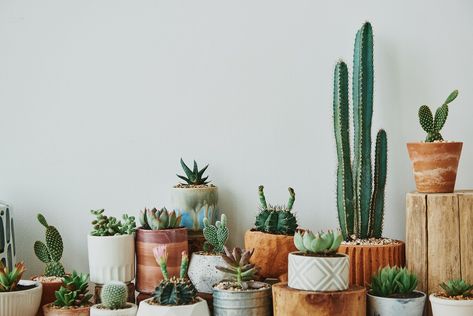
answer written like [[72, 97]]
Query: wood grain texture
[[465, 209], [290, 302]]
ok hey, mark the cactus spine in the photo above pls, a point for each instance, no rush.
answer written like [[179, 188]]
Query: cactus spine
[[114, 295], [360, 208], [51, 252]]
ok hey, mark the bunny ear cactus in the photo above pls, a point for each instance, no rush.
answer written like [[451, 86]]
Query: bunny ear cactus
[[360, 197], [433, 124], [162, 219], [215, 235], [51, 252], [114, 295], [320, 243]]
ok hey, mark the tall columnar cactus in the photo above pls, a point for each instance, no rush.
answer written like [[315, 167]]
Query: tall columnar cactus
[[215, 235], [360, 196], [114, 295], [51, 252]]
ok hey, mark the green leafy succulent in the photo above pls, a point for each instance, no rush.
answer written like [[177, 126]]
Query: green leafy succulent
[[74, 291], [320, 243], [457, 287], [104, 225], [9, 279], [238, 267], [392, 282], [195, 176], [162, 219]]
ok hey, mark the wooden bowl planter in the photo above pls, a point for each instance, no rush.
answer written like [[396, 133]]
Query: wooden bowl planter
[[50, 310], [378, 305], [49, 288], [7, 236], [242, 303], [21, 302], [289, 301], [97, 310], [271, 253], [197, 309], [442, 306], [435, 165], [202, 271], [148, 273]]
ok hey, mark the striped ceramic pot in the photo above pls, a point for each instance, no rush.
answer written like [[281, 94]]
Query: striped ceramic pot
[[311, 273]]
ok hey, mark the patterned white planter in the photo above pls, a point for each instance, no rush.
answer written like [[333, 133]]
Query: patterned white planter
[[202, 271], [130, 311], [7, 236], [194, 204], [21, 303], [396, 306], [198, 309], [111, 258], [445, 307], [318, 273]]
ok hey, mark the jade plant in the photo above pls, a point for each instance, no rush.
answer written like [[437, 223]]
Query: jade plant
[[360, 195], [74, 292], [9, 279], [195, 176], [215, 235], [172, 290], [276, 219], [159, 219], [104, 225], [114, 295], [393, 282], [433, 124], [238, 267], [51, 252], [457, 287], [323, 243]]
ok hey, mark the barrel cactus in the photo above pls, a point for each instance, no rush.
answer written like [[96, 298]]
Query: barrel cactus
[[360, 196], [215, 235], [51, 252], [114, 295], [276, 219], [159, 219]]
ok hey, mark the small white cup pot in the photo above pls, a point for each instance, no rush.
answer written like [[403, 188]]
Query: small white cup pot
[[21, 303], [446, 307], [387, 306], [311, 273], [97, 310], [197, 309], [202, 271]]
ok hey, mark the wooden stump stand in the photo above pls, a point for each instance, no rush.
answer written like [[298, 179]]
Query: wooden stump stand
[[289, 302], [131, 293]]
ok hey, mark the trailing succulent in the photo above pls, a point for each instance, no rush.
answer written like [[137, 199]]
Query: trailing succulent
[[9, 279], [162, 219], [457, 287], [321, 243], [104, 225], [238, 267], [194, 176], [51, 252], [215, 235], [360, 196], [433, 124], [393, 282], [172, 290], [114, 295], [74, 292], [276, 219]]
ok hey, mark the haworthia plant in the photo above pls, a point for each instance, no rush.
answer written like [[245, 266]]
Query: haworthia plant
[[360, 196], [51, 252]]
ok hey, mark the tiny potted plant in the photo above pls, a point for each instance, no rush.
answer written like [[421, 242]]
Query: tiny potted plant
[[435, 161], [173, 296], [72, 299], [317, 266], [50, 253], [111, 248], [273, 237], [113, 299], [456, 299], [158, 227], [18, 297], [393, 293], [202, 271]]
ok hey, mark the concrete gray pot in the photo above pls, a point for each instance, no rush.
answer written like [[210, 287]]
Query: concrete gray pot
[[242, 303], [385, 306], [202, 271]]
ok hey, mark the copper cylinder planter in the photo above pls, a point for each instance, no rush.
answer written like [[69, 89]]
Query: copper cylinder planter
[[435, 165], [148, 273]]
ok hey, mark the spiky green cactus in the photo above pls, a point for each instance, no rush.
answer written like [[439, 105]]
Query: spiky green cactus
[[432, 125], [162, 219], [51, 252], [276, 219], [215, 235], [320, 243], [194, 176], [360, 207], [114, 295]]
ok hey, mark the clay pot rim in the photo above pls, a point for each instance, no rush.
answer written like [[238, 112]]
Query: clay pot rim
[[111, 237], [50, 282], [394, 244], [281, 236], [38, 286], [338, 255], [200, 300], [245, 291], [432, 143], [197, 189], [446, 301], [81, 308], [399, 298], [151, 231]]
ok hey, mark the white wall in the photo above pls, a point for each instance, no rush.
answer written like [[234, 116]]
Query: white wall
[[100, 99]]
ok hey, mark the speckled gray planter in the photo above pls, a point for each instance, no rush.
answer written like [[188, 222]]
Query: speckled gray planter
[[7, 236], [202, 271], [384, 306]]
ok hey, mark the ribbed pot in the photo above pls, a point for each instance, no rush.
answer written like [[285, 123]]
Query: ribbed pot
[[7, 236], [49, 310], [445, 307], [21, 303], [271, 253], [47, 296], [194, 204], [198, 309], [435, 165], [111, 258], [311, 273], [202, 271], [386, 306], [148, 273], [131, 310], [242, 303]]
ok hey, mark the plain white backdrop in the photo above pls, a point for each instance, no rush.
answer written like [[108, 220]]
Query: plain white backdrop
[[100, 99]]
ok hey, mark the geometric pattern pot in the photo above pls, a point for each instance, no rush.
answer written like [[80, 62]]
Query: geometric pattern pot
[[7, 236], [318, 273]]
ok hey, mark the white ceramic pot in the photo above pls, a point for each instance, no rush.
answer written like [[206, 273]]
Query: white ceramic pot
[[21, 303], [202, 271], [198, 309], [130, 311], [385, 306], [111, 258], [445, 307], [318, 273]]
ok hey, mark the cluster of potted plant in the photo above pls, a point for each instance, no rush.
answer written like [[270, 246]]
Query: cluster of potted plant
[[456, 299], [113, 299]]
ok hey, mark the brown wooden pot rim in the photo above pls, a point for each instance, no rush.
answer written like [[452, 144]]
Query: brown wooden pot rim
[[395, 243], [268, 235]]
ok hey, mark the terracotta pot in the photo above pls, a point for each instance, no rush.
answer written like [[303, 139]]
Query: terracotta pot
[[49, 288], [21, 303], [365, 260], [48, 310], [148, 273], [271, 253], [435, 165]]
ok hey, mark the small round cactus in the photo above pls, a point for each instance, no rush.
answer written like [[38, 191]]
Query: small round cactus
[[114, 295]]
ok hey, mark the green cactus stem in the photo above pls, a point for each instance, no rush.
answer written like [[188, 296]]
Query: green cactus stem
[[215, 235], [51, 252]]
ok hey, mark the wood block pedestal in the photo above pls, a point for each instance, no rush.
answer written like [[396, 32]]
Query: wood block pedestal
[[289, 302], [131, 292]]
